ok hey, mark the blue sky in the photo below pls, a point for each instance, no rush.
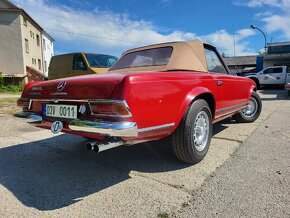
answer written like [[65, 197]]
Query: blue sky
[[111, 26]]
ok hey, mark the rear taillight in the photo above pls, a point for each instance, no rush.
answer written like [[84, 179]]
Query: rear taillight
[[24, 103], [110, 108]]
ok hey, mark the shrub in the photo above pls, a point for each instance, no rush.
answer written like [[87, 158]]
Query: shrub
[[11, 88], [1, 81]]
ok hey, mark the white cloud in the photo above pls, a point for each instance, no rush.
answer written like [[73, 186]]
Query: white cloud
[[225, 41], [276, 20], [106, 32], [278, 23], [259, 3]]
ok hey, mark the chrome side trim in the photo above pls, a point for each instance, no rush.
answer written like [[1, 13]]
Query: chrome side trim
[[152, 128], [232, 107], [230, 112], [59, 99], [125, 129], [30, 104]]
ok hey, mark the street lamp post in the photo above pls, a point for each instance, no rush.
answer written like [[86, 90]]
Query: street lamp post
[[255, 27]]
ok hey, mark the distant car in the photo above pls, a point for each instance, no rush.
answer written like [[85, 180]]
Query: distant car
[[247, 71], [176, 89], [276, 75], [75, 64]]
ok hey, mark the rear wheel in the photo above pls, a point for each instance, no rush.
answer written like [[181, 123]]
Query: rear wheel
[[252, 111], [191, 139]]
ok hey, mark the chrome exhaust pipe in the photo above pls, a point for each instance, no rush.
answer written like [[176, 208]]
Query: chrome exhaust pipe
[[99, 146], [102, 146], [90, 146]]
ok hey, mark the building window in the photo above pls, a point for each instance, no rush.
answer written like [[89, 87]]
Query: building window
[[39, 64], [24, 22], [45, 66], [26, 46], [44, 46], [37, 40]]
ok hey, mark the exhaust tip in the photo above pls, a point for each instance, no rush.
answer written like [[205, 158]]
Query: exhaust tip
[[90, 146], [96, 149]]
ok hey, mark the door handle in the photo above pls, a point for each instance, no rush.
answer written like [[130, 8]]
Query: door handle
[[220, 83]]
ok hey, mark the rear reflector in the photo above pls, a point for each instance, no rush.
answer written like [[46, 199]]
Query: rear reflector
[[110, 108]]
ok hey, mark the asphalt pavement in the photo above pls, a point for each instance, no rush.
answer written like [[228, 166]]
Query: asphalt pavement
[[47, 175], [255, 182]]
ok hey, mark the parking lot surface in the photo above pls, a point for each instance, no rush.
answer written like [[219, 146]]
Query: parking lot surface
[[49, 175]]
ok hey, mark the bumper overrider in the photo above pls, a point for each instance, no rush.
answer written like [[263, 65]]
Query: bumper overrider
[[115, 129]]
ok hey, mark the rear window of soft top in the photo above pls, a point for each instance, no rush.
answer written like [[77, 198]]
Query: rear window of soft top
[[145, 58]]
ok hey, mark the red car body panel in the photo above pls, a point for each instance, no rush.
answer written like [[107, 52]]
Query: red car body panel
[[80, 87], [154, 99]]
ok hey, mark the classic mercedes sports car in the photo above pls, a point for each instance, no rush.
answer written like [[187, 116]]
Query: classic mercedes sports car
[[176, 89]]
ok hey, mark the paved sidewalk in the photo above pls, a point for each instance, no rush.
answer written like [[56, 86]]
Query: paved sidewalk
[[256, 181]]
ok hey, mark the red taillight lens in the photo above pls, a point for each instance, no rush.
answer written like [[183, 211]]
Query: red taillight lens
[[23, 102], [101, 108], [111, 108]]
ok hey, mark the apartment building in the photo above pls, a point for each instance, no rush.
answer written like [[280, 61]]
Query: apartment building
[[25, 48]]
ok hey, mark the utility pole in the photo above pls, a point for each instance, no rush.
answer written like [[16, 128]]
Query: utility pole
[[234, 41]]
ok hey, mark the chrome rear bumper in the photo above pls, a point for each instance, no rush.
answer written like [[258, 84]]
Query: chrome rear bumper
[[125, 129], [116, 129]]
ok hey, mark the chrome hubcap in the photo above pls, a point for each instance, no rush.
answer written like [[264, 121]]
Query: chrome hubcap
[[251, 109], [201, 132]]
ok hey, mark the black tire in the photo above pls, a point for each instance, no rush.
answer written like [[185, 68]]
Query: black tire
[[183, 139], [242, 118]]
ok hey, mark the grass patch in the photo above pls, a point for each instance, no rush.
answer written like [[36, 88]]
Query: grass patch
[[11, 89]]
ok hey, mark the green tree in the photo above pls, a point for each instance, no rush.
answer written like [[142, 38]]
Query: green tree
[[224, 55]]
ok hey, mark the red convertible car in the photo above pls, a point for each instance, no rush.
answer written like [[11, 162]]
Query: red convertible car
[[176, 89]]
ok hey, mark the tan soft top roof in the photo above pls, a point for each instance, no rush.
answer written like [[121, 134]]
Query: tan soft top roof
[[186, 55]]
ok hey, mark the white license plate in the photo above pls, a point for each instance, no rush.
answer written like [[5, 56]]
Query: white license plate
[[61, 111]]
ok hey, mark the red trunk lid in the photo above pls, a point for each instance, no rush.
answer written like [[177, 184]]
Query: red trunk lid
[[80, 87]]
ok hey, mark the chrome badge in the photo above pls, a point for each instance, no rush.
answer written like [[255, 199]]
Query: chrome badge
[[56, 127], [61, 86]]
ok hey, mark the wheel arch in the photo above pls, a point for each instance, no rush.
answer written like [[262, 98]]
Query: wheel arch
[[195, 94], [256, 80]]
